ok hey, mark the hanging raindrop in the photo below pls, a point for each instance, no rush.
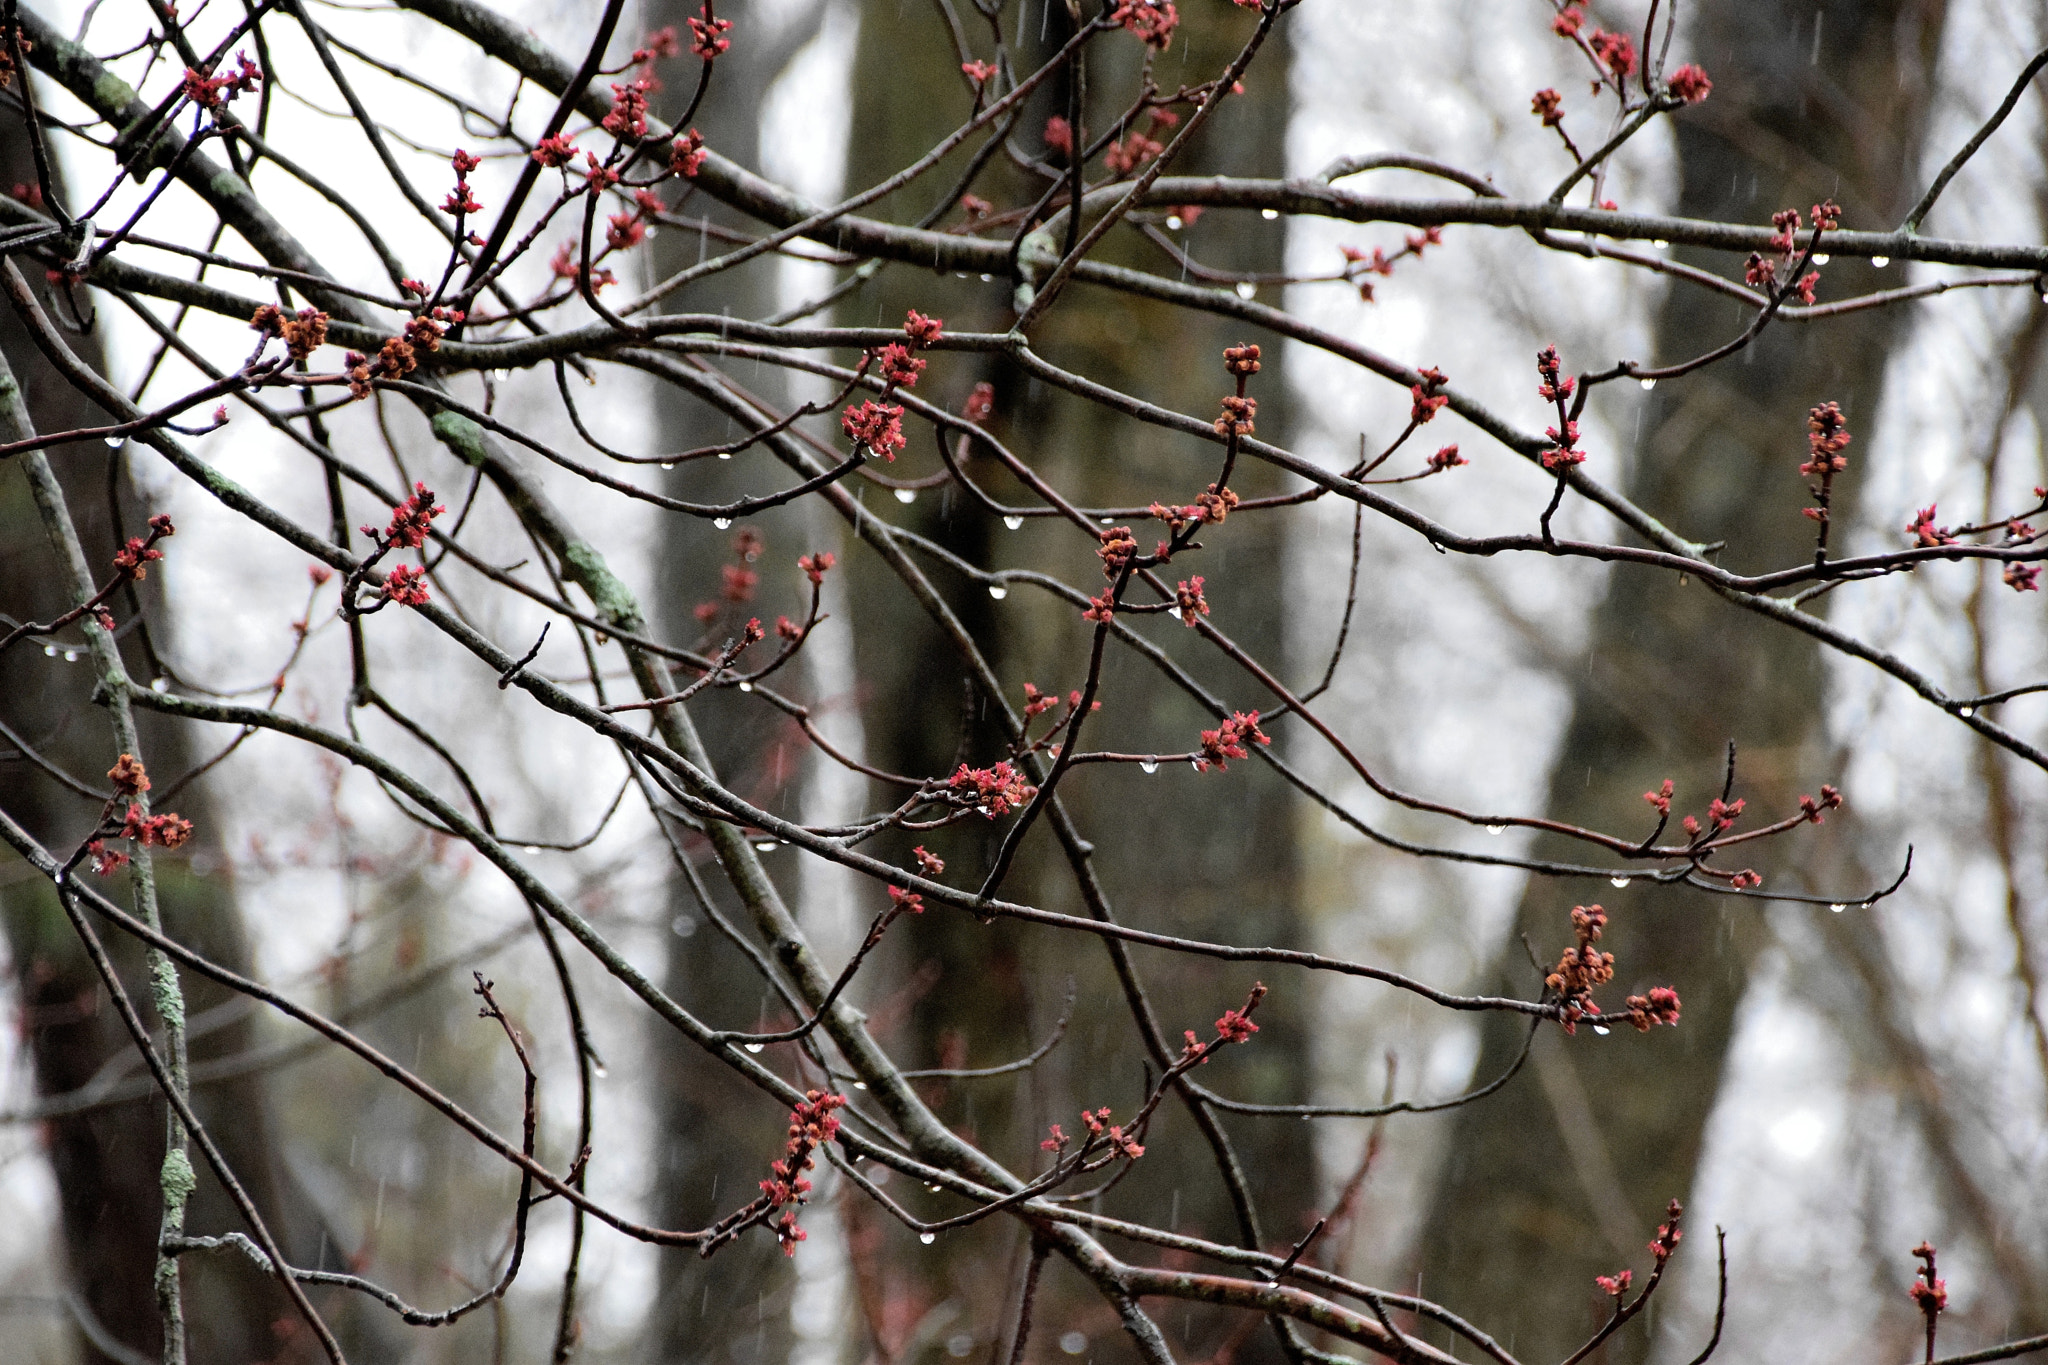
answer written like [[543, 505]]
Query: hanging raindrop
[[722, 523], [116, 442], [1838, 908], [1013, 522], [1880, 261], [725, 454], [1967, 712], [765, 846], [668, 464], [998, 591], [906, 496], [1269, 214], [1618, 883], [927, 1237], [1602, 1030], [1148, 765], [755, 1047], [1649, 384], [600, 1071], [860, 1085], [1173, 221], [746, 687], [1246, 289], [50, 650], [1821, 258], [160, 685], [70, 656], [532, 848], [1496, 829], [1174, 612]]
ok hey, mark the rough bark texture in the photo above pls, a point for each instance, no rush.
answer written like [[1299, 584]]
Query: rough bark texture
[[1564, 1175]]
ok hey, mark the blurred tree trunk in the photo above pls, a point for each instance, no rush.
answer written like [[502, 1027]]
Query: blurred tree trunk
[[1564, 1175], [715, 1134], [106, 1158], [1206, 854]]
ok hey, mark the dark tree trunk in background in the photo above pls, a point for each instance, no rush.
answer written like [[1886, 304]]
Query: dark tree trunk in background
[[1564, 1175], [1215, 856], [717, 1135], [106, 1159]]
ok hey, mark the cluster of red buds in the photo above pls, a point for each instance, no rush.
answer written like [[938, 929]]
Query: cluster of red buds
[[1189, 602], [993, 791], [1229, 739], [1151, 22], [1358, 263], [1236, 419], [166, 830], [1548, 105], [1615, 1285], [303, 332], [1126, 154], [627, 118], [1117, 551], [812, 1124], [1235, 1026], [816, 566], [1830, 799], [686, 154], [1668, 1233], [1427, 396], [899, 367], [1660, 1006], [1720, 815], [707, 34], [1241, 360], [1761, 272], [1215, 504], [210, 91], [1124, 1144], [923, 332], [410, 521], [1690, 84], [460, 202], [1827, 436], [132, 560], [1581, 967], [876, 428], [1929, 1294]]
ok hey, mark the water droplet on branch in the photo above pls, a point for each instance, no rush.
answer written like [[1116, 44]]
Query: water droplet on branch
[[927, 1237], [998, 591], [1880, 261], [1148, 765], [722, 523], [906, 496], [1269, 214], [1246, 289], [1838, 908], [1618, 883], [755, 1047], [1013, 522], [1496, 829], [1649, 384]]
